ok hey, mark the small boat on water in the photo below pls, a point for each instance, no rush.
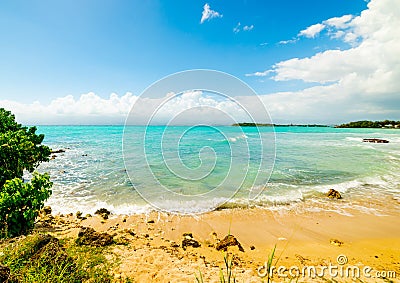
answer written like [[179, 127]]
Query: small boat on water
[[376, 140]]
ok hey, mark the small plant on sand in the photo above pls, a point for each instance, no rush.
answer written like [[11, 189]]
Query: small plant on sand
[[199, 279], [229, 275], [269, 265], [267, 269], [230, 278], [20, 150]]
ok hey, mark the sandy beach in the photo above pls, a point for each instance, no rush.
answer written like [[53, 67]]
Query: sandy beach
[[149, 247]]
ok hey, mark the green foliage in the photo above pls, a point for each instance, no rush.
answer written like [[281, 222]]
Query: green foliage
[[199, 279], [369, 124], [42, 258], [20, 202], [20, 149], [230, 278], [269, 265]]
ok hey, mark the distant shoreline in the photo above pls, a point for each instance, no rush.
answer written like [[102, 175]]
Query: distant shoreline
[[386, 124], [277, 125]]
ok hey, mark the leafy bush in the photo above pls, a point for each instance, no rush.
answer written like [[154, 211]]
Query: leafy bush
[[20, 149]]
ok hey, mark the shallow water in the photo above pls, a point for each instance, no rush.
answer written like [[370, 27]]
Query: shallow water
[[208, 165]]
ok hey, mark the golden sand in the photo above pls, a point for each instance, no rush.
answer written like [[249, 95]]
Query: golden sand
[[149, 251]]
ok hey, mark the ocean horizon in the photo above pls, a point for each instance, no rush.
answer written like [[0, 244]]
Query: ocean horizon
[[91, 172]]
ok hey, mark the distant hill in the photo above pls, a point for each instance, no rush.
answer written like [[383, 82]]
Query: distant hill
[[371, 124]]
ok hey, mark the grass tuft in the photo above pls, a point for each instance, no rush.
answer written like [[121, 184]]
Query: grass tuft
[[43, 258]]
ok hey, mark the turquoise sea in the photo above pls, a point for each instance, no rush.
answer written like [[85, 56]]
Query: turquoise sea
[[221, 167]]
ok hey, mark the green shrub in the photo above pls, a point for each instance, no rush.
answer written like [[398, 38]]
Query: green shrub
[[43, 258], [20, 149]]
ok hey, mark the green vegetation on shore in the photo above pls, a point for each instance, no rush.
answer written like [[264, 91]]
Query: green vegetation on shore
[[276, 125], [43, 258], [20, 201], [371, 124]]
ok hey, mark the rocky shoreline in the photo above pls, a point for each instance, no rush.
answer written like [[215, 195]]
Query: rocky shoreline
[[160, 247]]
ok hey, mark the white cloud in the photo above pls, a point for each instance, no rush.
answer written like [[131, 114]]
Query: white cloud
[[312, 31], [88, 109], [248, 28], [339, 22], [363, 81], [191, 107], [290, 41], [236, 29], [209, 14], [260, 74]]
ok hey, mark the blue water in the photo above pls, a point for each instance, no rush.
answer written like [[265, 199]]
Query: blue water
[[194, 169]]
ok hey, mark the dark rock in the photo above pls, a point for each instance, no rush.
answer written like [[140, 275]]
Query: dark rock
[[150, 221], [46, 210], [228, 241], [174, 245], [88, 236], [252, 247], [58, 151], [102, 211], [130, 232], [376, 140], [334, 194], [51, 249], [190, 235], [78, 214], [4, 273], [336, 242], [189, 242]]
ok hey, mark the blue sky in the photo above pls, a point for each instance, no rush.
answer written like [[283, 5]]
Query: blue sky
[[55, 48], [52, 49]]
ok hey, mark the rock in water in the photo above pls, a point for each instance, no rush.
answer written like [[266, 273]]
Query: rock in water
[[376, 140], [58, 151], [88, 236], [334, 194], [4, 273], [228, 241]]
